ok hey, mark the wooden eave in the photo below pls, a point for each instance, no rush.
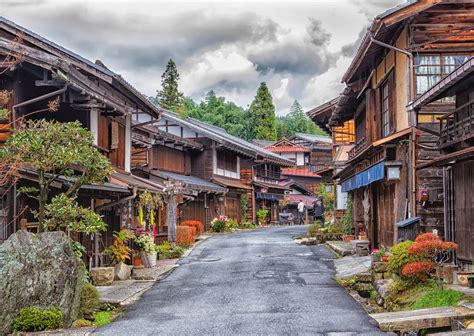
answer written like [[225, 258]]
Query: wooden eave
[[322, 113], [447, 159]]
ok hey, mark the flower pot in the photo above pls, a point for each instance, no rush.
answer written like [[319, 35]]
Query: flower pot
[[362, 237], [348, 238], [463, 278], [122, 271], [152, 259], [137, 261], [384, 258]]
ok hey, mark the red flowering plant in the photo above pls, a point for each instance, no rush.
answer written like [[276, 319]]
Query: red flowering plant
[[194, 223], [430, 251]]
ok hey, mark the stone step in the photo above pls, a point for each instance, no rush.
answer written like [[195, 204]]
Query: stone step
[[414, 320]]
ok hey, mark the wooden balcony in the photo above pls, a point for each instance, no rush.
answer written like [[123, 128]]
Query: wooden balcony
[[458, 126], [267, 175], [358, 147]]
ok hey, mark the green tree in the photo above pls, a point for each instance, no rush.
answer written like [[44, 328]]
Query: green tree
[[54, 149], [296, 121], [264, 113], [169, 97]]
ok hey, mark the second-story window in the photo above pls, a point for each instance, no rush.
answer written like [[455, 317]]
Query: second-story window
[[430, 69], [227, 164], [386, 109]]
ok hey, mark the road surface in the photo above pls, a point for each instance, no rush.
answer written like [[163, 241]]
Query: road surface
[[255, 282]]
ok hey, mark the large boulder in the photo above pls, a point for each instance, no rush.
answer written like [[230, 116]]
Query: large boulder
[[39, 270]]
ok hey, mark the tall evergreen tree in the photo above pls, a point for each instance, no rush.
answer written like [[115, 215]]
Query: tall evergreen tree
[[296, 121], [263, 111], [169, 97]]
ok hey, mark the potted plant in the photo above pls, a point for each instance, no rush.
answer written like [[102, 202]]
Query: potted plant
[[119, 253], [377, 254], [137, 259], [220, 223], [147, 246], [262, 217]]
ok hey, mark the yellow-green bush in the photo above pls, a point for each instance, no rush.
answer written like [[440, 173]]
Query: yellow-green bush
[[38, 319], [89, 299], [399, 257], [313, 230]]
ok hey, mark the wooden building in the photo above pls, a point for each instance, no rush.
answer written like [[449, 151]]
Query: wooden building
[[406, 50], [36, 71], [216, 168], [455, 141]]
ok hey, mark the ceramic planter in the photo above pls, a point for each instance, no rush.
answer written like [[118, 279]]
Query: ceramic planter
[[148, 260], [137, 261], [463, 276], [384, 258]]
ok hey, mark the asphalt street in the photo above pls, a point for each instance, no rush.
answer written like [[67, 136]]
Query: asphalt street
[[252, 283]]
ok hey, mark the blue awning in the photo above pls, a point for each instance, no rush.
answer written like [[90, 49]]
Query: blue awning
[[364, 178]]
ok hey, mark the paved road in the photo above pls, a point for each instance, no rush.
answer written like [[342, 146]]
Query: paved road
[[257, 282]]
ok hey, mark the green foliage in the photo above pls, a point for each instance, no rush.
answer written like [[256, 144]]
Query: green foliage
[[89, 300], [248, 225], [438, 298], [78, 248], [119, 252], [37, 319], [399, 257], [54, 149], [232, 224], [313, 229], [63, 211], [327, 197], [347, 218], [81, 323], [262, 216], [166, 251], [102, 318], [263, 112], [169, 97], [296, 121], [4, 113], [244, 206]]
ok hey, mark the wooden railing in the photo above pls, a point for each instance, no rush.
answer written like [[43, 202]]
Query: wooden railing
[[264, 175], [457, 126], [358, 147]]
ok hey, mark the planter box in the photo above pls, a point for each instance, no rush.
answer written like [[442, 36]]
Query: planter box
[[462, 277], [348, 238]]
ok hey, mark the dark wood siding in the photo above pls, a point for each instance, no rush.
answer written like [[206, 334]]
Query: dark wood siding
[[169, 159], [385, 213], [232, 206], [464, 209]]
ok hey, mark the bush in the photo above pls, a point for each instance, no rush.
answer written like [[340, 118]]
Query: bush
[[163, 248], [313, 229], [262, 216], [247, 225], [89, 300], [102, 318], [438, 298], [38, 319], [220, 223], [177, 252], [232, 224], [194, 223], [185, 235], [399, 257]]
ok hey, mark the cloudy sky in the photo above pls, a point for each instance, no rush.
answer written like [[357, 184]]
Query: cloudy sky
[[301, 49]]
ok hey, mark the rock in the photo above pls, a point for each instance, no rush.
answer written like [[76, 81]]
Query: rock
[[39, 270], [81, 323], [379, 267], [122, 271], [102, 276], [383, 287], [378, 276], [364, 277], [363, 287]]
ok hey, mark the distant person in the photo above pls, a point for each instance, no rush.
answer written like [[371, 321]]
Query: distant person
[[318, 207], [301, 207]]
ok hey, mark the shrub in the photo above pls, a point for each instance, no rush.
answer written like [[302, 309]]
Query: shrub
[[163, 248], [176, 252], [247, 225], [347, 218], [89, 300], [119, 252], [220, 223], [419, 270], [313, 230], [185, 235], [80, 323], [102, 318], [232, 224], [399, 257], [38, 319], [262, 216], [438, 298], [194, 223]]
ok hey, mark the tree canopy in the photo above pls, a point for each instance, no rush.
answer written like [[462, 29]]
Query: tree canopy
[[169, 97], [296, 121], [54, 149]]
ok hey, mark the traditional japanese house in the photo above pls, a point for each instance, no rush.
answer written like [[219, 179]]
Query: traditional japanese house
[[406, 50], [214, 167], [456, 140], [37, 72], [297, 193], [342, 142]]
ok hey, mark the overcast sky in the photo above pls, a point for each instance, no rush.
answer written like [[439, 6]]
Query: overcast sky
[[301, 49]]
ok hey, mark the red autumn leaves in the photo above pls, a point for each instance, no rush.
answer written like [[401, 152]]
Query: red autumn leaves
[[429, 250]]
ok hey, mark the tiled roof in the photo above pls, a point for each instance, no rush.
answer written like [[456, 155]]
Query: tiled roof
[[307, 200], [282, 149], [299, 172], [230, 183], [190, 181], [314, 137]]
